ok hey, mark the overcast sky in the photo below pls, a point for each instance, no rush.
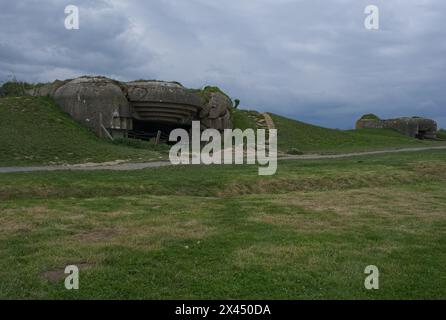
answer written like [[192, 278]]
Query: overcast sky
[[312, 60]]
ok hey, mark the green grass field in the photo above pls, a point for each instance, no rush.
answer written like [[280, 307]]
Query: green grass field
[[218, 232], [35, 131], [223, 232]]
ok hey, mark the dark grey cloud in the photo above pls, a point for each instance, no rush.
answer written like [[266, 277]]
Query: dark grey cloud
[[311, 60]]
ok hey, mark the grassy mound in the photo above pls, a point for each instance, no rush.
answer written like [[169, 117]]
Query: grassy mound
[[441, 134], [34, 131], [307, 138], [310, 138], [296, 137], [243, 120]]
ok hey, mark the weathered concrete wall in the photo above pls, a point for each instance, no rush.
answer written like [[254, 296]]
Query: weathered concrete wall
[[163, 102], [86, 99], [216, 112], [369, 123], [405, 126], [48, 89], [415, 127], [161, 91]]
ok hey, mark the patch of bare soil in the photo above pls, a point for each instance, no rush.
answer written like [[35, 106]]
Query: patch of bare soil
[[97, 235], [58, 274], [431, 168], [339, 211]]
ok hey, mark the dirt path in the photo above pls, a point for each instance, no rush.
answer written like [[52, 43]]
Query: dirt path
[[145, 165], [268, 120]]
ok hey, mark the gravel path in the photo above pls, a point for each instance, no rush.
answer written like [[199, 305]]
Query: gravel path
[[115, 167], [157, 164], [356, 154]]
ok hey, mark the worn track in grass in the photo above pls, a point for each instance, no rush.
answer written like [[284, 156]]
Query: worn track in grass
[[157, 164]]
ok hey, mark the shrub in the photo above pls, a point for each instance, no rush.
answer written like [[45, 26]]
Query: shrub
[[370, 116], [16, 88], [13, 89], [294, 151]]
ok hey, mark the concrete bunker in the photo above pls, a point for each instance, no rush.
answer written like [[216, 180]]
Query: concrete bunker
[[140, 109], [415, 127], [161, 106]]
